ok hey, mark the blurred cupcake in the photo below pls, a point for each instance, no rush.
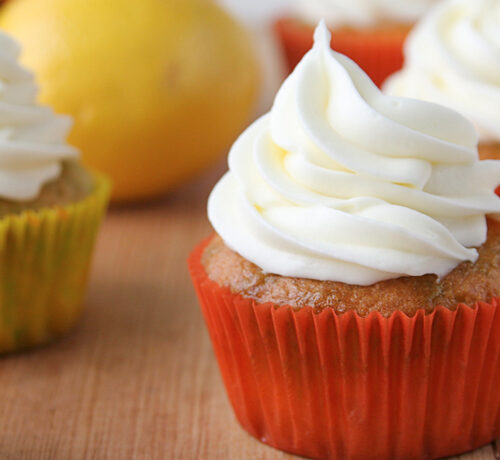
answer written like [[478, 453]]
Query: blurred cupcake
[[371, 32], [453, 58], [50, 210], [352, 291]]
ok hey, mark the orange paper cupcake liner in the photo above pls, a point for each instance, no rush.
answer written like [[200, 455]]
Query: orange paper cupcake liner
[[327, 385], [379, 55]]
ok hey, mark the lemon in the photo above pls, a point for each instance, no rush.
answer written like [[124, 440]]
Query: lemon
[[157, 88]]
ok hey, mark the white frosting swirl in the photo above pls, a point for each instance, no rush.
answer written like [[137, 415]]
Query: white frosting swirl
[[363, 13], [340, 182], [453, 58], [32, 138]]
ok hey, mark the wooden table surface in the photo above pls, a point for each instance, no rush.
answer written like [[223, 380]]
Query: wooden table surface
[[137, 378]]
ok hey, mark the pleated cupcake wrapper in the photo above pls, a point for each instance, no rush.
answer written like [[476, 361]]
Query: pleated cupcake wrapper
[[44, 261], [378, 56], [327, 385]]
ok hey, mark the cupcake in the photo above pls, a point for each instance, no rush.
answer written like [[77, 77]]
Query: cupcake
[[460, 67], [352, 289], [371, 32], [50, 210]]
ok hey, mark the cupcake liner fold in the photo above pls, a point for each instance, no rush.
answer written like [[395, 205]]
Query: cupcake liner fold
[[378, 55], [44, 261], [327, 385]]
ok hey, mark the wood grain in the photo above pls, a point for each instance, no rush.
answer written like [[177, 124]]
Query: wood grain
[[137, 379]]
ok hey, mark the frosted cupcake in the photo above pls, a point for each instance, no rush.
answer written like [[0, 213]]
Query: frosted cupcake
[[371, 32], [351, 292], [50, 210], [453, 58]]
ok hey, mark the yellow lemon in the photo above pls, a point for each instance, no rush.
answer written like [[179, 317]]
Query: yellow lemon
[[157, 88]]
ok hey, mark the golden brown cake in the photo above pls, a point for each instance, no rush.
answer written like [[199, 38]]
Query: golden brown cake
[[467, 283], [73, 185]]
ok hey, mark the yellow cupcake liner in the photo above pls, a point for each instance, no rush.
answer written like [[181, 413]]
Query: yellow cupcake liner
[[44, 263]]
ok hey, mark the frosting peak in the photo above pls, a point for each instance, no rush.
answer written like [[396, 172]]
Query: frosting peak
[[32, 138], [340, 182]]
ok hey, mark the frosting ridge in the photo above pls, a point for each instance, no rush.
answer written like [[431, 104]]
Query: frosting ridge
[[32, 137], [340, 182], [461, 64]]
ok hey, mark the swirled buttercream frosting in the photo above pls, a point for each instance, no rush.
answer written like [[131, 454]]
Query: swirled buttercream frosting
[[363, 13], [32, 137], [341, 182], [453, 58]]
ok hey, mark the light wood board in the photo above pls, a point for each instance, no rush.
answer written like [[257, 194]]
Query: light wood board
[[137, 378]]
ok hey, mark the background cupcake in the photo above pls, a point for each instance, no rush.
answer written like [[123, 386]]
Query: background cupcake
[[453, 58], [371, 32], [335, 295], [50, 209]]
